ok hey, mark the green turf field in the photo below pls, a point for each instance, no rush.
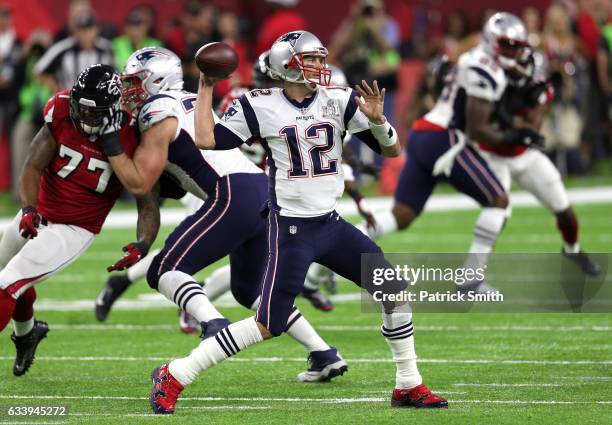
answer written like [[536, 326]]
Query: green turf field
[[512, 368]]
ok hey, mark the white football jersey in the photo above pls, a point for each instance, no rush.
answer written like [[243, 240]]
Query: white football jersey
[[303, 144], [195, 175], [477, 74]]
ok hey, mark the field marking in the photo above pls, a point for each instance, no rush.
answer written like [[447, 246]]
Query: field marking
[[463, 384], [301, 360], [344, 328], [442, 203], [292, 400]]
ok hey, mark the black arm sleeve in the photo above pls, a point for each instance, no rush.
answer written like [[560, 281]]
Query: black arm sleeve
[[368, 138], [225, 139]]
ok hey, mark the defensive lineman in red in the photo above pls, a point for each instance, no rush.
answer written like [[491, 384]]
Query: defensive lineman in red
[[67, 189]]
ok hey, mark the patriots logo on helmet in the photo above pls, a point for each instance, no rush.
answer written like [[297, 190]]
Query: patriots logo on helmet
[[149, 54], [291, 37]]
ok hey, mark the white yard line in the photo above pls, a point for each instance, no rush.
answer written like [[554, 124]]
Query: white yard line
[[342, 328], [464, 384], [453, 202], [285, 400], [301, 360]]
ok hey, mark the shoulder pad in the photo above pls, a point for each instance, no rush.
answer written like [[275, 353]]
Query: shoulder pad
[[155, 109], [57, 107]]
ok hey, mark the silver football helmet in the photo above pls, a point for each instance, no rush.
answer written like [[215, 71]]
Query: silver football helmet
[[337, 77], [263, 76], [149, 71], [287, 59], [504, 37]]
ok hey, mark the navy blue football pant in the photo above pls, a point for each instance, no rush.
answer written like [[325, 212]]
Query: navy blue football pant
[[294, 244], [470, 173], [231, 222]]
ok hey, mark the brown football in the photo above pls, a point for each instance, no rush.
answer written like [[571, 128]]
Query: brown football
[[217, 60]]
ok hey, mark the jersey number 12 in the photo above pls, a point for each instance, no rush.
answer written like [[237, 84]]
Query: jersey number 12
[[298, 170]]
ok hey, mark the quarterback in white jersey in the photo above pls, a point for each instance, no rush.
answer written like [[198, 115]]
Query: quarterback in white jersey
[[228, 223], [300, 127]]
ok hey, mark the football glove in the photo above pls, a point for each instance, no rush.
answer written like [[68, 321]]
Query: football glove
[[109, 135], [30, 222], [134, 252], [523, 136]]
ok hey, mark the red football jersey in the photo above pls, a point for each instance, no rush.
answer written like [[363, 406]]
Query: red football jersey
[[78, 187]]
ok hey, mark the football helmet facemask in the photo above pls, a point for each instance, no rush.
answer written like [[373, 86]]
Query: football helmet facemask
[[287, 59], [96, 95], [147, 72]]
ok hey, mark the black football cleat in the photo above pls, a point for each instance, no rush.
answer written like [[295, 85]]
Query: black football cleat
[[324, 365], [318, 300], [115, 286], [26, 346], [418, 397], [210, 328], [586, 263]]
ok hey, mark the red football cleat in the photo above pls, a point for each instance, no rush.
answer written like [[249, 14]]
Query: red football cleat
[[318, 300], [165, 392], [419, 396]]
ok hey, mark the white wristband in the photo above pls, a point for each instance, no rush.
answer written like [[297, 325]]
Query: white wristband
[[385, 133]]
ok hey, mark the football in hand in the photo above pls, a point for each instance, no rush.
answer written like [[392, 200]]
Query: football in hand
[[216, 60]]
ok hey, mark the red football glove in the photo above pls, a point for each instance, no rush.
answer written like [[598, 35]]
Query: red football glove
[[30, 222], [134, 252], [365, 212]]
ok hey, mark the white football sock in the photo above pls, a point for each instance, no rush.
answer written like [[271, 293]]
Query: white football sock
[[22, 328], [489, 225], [571, 249], [226, 343], [139, 270], [316, 275], [218, 283], [302, 331], [181, 289], [397, 330]]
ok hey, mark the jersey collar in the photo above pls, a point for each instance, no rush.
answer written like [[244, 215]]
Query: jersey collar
[[304, 104]]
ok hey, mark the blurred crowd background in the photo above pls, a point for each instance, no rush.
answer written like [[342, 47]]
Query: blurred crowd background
[[401, 43]]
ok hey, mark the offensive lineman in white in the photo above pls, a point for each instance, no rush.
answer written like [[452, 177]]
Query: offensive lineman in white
[[300, 127]]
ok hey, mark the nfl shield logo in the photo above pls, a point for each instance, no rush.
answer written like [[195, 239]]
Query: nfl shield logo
[[293, 230]]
